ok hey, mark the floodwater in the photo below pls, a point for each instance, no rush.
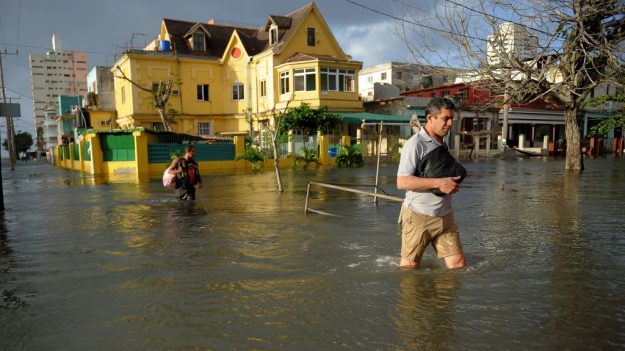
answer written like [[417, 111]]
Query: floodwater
[[114, 266]]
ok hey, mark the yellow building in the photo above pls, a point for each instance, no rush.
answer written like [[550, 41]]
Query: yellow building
[[226, 79]]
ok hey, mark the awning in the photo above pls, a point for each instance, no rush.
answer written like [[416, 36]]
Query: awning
[[534, 117], [367, 117]]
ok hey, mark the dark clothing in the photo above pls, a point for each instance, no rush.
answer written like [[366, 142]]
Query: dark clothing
[[185, 185]]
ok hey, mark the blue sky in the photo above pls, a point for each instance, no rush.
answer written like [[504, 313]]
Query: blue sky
[[101, 27]]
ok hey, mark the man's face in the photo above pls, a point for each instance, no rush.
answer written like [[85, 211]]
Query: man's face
[[441, 124]]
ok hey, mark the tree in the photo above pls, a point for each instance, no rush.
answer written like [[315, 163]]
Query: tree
[[615, 120], [308, 120], [578, 45], [23, 142], [160, 93]]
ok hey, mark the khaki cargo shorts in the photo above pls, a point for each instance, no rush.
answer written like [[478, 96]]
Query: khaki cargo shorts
[[418, 230]]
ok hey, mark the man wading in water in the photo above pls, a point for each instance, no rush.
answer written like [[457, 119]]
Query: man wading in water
[[187, 174], [426, 215]]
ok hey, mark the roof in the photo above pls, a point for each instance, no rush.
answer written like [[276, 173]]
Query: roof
[[367, 117], [254, 40], [300, 57]]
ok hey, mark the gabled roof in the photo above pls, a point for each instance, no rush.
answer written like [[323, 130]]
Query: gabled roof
[[218, 37], [282, 22], [254, 40]]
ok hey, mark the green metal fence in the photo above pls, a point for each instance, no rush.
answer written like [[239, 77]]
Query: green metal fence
[[117, 147], [85, 151], [160, 153]]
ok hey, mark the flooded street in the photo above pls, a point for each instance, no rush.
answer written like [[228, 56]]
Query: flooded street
[[86, 266]]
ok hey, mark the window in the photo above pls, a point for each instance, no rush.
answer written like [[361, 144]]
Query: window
[[238, 91], [464, 94], [105, 122], [383, 76], [398, 75], [158, 127], [123, 95], [273, 35], [199, 43], [369, 79], [263, 88], [304, 79], [204, 128], [334, 79], [311, 36], [203, 92], [285, 84]]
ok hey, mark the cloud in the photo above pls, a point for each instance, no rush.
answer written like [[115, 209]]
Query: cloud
[[373, 43]]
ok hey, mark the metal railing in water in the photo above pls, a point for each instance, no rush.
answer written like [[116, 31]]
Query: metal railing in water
[[343, 187]]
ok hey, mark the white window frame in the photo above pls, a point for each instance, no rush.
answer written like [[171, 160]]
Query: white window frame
[[200, 95], [202, 127], [273, 35], [337, 79], [238, 91], [304, 74], [285, 82]]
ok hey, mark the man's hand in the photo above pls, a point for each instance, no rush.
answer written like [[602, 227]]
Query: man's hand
[[448, 185]]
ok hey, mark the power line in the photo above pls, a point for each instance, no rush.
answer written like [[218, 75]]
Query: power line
[[497, 17], [411, 22], [49, 48]]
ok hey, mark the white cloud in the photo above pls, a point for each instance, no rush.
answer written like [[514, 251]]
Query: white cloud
[[373, 43]]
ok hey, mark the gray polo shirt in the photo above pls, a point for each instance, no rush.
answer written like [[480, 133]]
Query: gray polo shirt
[[424, 202]]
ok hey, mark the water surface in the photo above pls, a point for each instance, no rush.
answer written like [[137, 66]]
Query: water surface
[[101, 266]]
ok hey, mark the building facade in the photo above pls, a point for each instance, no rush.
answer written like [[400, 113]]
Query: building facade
[[55, 73], [99, 106], [511, 40], [230, 80], [374, 81]]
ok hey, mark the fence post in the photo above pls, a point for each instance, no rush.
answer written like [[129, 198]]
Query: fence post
[[324, 147], [239, 145], [97, 158], [141, 155]]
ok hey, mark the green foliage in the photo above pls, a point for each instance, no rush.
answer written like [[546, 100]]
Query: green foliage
[[605, 126], [309, 156], [307, 119], [396, 151], [254, 156], [350, 156], [616, 120], [174, 154], [23, 142]]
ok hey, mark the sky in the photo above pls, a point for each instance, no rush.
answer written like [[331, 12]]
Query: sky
[[101, 28]]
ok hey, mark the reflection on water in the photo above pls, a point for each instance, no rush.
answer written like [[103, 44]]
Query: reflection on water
[[100, 265], [425, 309]]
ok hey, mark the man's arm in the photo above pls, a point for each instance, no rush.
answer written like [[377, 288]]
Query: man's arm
[[174, 165], [447, 185]]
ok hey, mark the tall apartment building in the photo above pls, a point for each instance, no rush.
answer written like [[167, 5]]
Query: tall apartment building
[[55, 73], [511, 39], [404, 76]]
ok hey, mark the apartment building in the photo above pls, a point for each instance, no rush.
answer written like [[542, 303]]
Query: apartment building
[[511, 40], [57, 72]]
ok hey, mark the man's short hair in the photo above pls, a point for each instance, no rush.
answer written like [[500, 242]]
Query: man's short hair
[[188, 148], [436, 104]]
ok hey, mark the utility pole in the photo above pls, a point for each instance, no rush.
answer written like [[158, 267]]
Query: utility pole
[[10, 127]]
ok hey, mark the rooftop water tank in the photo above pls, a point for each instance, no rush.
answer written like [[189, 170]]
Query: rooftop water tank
[[164, 45]]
